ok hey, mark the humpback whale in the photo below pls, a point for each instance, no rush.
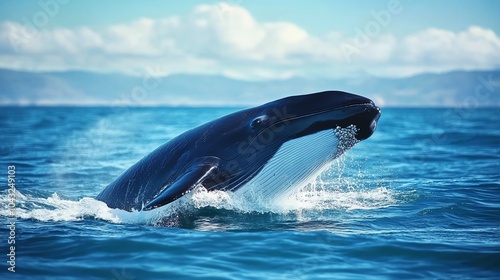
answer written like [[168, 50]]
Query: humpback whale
[[268, 149]]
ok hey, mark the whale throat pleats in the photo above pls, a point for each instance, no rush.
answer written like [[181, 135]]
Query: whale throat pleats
[[295, 163]]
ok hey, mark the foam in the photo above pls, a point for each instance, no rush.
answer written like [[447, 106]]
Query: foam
[[317, 196]]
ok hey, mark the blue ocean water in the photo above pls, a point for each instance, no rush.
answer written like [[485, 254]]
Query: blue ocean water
[[419, 199]]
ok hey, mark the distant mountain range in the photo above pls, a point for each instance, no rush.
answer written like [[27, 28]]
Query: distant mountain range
[[459, 88]]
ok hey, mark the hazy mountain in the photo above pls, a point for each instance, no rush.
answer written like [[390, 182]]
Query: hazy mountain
[[460, 88]]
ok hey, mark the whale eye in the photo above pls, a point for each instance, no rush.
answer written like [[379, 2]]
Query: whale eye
[[258, 121]]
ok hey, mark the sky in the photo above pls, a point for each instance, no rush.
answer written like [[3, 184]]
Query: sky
[[251, 40]]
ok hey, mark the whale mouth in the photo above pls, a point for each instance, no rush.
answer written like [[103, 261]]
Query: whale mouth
[[367, 123]]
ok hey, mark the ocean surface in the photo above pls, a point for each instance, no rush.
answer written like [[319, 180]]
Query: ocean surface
[[419, 199]]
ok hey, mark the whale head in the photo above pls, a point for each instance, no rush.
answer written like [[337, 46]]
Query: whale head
[[296, 134], [308, 114], [266, 127]]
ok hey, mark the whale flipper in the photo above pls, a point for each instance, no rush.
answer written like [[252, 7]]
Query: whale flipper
[[193, 177]]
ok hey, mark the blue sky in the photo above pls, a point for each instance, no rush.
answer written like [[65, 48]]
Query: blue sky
[[318, 16], [251, 39]]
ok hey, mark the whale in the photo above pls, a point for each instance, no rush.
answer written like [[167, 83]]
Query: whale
[[266, 150]]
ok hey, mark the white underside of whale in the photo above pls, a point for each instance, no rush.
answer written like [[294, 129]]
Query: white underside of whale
[[298, 162]]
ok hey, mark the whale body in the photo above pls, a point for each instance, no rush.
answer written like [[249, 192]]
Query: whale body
[[266, 149]]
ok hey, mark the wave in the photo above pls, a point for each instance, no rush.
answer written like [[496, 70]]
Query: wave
[[315, 198]]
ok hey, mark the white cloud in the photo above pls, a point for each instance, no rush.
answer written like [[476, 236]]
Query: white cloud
[[227, 39], [473, 47]]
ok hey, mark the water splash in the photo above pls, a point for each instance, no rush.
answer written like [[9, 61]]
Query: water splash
[[316, 197], [347, 138]]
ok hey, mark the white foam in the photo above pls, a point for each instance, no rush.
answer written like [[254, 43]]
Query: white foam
[[317, 196], [54, 208]]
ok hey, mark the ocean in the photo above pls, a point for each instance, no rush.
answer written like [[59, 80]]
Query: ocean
[[420, 199]]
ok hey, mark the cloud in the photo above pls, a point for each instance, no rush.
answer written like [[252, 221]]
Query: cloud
[[470, 48], [226, 39]]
